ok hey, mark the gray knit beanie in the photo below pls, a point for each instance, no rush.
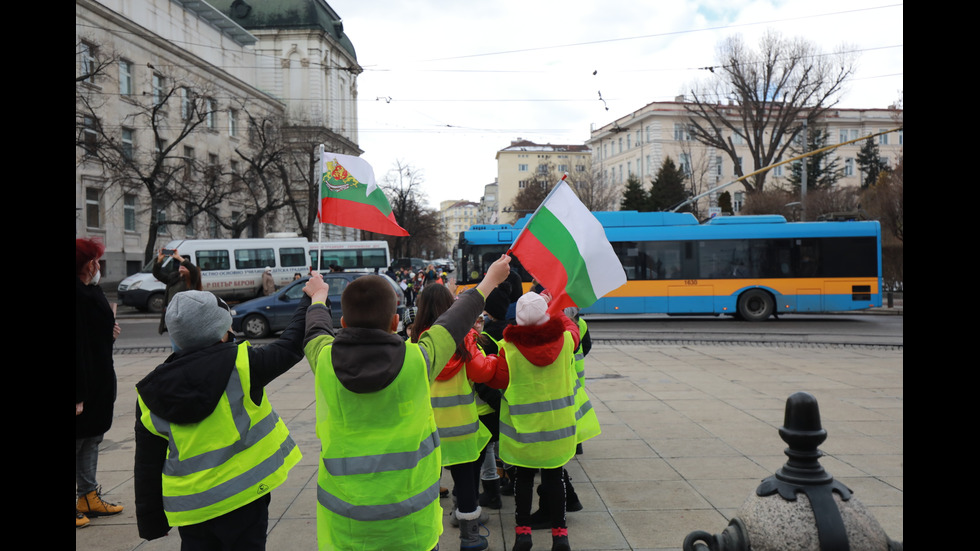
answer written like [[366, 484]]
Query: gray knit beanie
[[196, 319]]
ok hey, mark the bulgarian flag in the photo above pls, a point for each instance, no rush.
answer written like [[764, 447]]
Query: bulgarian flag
[[565, 248], [350, 197]]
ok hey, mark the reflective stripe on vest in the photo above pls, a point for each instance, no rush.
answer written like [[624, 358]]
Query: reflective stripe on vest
[[461, 434], [538, 416], [198, 483], [380, 460]]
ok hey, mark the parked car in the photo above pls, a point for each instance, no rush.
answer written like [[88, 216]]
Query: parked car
[[444, 265], [264, 316]]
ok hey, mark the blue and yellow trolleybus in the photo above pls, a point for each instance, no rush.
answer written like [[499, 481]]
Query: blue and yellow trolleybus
[[750, 267]]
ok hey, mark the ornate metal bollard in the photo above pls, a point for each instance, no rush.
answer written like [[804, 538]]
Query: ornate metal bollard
[[801, 507]]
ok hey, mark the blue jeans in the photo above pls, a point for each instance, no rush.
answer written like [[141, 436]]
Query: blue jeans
[[86, 464]]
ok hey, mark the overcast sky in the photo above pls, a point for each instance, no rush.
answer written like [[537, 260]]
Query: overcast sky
[[447, 84]]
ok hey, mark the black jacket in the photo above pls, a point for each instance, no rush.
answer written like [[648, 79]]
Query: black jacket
[[185, 389], [95, 376]]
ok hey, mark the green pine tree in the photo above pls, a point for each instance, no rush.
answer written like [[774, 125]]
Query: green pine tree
[[725, 203], [667, 190], [634, 196], [869, 163], [822, 169]]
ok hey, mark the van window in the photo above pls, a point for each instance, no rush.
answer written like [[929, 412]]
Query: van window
[[254, 258], [292, 256], [213, 260]]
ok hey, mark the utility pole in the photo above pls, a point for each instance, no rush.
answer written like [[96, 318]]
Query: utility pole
[[803, 179]]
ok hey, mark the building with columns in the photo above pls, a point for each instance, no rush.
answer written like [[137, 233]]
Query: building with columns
[[639, 142], [288, 61]]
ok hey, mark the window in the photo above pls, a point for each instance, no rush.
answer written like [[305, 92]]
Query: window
[[125, 77], [682, 132], [86, 62], [213, 260], [188, 161], [737, 137], [621, 145], [737, 199], [685, 163], [189, 229], [562, 168], [579, 168], [127, 143], [129, 212], [93, 208], [719, 163], [628, 141], [901, 137], [542, 169], [233, 123], [162, 227], [212, 114], [738, 166], [186, 103], [522, 168], [882, 139], [157, 82], [293, 256], [849, 166], [90, 135], [522, 184], [843, 135], [254, 258]]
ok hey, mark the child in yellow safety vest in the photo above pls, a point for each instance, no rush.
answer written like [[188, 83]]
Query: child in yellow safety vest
[[537, 415]]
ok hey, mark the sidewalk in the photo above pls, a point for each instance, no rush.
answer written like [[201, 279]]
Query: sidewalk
[[688, 432]]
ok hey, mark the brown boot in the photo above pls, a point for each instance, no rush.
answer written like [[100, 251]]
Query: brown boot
[[81, 521], [92, 504]]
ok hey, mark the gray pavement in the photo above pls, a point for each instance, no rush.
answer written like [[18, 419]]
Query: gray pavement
[[688, 432]]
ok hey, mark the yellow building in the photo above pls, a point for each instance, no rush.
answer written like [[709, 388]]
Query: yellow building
[[523, 161]]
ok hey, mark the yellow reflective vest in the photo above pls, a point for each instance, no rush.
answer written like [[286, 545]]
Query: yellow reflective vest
[[380, 461], [461, 434], [586, 422], [537, 413], [237, 454]]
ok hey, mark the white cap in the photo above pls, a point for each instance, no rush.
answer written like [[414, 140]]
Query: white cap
[[532, 309]]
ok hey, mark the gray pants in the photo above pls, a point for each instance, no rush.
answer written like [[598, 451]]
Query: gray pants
[[86, 463]]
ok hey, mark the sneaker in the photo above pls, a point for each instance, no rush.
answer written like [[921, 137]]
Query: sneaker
[[81, 521], [523, 540], [559, 540], [92, 504]]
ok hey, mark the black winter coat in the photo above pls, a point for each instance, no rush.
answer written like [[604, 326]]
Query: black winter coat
[[95, 376]]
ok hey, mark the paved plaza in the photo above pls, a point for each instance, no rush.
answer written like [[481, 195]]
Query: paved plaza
[[688, 432]]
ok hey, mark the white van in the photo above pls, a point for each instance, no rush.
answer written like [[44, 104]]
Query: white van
[[230, 268], [353, 256]]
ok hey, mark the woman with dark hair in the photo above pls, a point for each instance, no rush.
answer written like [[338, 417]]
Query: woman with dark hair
[[95, 379], [187, 277], [462, 435]]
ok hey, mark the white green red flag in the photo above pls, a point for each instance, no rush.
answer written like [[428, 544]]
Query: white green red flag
[[350, 197], [565, 248]]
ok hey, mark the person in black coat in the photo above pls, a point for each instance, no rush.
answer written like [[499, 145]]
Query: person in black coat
[[95, 379]]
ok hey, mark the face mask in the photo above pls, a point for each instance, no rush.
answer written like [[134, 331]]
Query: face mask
[[96, 278]]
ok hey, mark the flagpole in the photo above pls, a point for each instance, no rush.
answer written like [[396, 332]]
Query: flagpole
[[550, 193], [319, 237]]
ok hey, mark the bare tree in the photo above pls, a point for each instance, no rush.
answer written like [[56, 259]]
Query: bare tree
[[595, 192], [760, 98], [165, 170], [402, 185]]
